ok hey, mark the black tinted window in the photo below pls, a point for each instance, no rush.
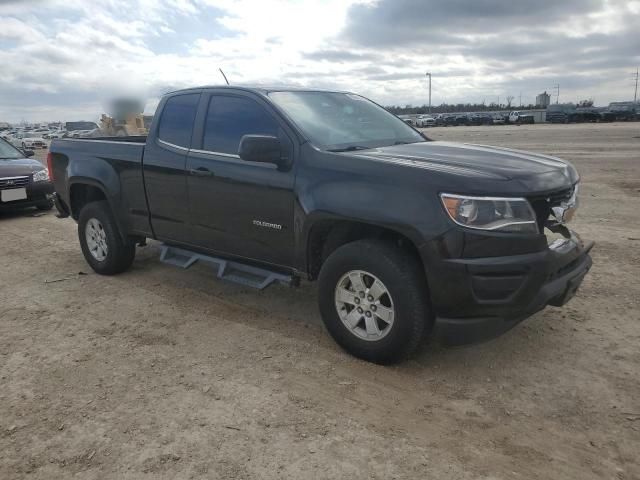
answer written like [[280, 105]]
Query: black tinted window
[[176, 123], [229, 118]]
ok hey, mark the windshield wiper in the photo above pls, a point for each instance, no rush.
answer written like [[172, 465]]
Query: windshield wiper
[[350, 148]]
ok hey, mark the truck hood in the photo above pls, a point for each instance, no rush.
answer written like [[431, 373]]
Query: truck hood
[[533, 172], [19, 167]]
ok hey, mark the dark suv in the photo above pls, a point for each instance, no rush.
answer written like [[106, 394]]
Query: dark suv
[[24, 182]]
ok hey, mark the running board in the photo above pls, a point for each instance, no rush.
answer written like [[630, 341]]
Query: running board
[[231, 271]]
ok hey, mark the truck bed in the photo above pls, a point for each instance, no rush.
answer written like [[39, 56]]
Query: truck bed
[[114, 164]]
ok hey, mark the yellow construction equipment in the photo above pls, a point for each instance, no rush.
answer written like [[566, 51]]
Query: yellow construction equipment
[[126, 119]]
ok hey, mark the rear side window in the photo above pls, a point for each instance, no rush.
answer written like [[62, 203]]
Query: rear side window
[[229, 118], [178, 115]]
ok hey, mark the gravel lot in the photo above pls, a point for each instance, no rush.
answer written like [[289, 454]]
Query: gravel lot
[[164, 373]]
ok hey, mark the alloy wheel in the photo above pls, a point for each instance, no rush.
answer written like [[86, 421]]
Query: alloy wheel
[[96, 239], [364, 305]]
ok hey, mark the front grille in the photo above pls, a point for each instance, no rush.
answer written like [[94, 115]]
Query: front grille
[[13, 182], [555, 198], [542, 204]]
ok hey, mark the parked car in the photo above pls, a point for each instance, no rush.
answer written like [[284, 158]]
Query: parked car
[[588, 114], [15, 140], [80, 133], [81, 125], [497, 119], [520, 117], [425, 121], [569, 113], [472, 119], [485, 118], [406, 237], [31, 141], [24, 182], [561, 113], [448, 120], [460, 119], [607, 116], [407, 119], [479, 119], [52, 134], [623, 111]]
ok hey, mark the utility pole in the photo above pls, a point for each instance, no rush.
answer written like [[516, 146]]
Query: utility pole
[[429, 75], [520, 99], [635, 95], [557, 88]]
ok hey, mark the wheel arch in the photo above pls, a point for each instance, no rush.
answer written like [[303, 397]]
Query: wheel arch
[[86, 190], [328, 234]]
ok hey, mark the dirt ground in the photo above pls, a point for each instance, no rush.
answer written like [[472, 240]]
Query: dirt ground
[[171, 374]]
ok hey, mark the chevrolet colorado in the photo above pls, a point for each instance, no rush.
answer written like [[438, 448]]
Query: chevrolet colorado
[[407, 237]]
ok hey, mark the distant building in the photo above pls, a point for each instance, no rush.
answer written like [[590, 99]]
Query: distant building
[[543, 100], [4, 126]]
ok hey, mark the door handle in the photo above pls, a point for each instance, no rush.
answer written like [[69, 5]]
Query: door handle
[[201, 172]]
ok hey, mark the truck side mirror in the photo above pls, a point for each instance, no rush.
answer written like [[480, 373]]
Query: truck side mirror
[[28, 153], [262, 148]]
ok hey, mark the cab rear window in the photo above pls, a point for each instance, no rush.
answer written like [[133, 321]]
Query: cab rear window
[[178, 115]]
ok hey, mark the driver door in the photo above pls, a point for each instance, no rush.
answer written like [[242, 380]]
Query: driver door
[[237, 207]]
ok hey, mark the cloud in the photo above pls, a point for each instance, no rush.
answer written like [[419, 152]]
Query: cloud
[[399, 23], [62, 58], [340, 56], [494, 47]]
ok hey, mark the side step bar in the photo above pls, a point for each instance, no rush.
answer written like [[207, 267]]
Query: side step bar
[[231, 271]]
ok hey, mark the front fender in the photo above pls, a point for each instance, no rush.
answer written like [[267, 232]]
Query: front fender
[[375, 202]]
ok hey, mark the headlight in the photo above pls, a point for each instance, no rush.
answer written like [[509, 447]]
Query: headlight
[[41, 176], [491, 213]]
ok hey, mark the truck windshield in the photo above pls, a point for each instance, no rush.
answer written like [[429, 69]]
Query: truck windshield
[[8, 151], [344, 121]]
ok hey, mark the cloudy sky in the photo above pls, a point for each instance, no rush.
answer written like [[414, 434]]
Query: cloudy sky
[[61, 59]]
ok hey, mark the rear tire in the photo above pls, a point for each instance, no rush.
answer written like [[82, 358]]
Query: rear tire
[[382, 267], [100, 240]]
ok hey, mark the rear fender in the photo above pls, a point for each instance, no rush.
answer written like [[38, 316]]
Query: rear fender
[[101, 175]]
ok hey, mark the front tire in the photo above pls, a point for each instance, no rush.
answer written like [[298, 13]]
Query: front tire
[[100, 240], [373, 300]]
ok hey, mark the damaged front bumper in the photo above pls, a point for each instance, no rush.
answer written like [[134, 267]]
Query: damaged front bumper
[[499, 292]]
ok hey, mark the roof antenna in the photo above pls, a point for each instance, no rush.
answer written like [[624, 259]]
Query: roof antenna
[[225, 77]]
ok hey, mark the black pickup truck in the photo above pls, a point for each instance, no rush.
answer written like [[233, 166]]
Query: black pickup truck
[[407, 237]]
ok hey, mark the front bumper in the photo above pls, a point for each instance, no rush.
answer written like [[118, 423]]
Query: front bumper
[[494, 294], [37, 194]]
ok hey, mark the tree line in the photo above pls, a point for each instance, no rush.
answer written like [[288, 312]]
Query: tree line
[[459, 107]]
